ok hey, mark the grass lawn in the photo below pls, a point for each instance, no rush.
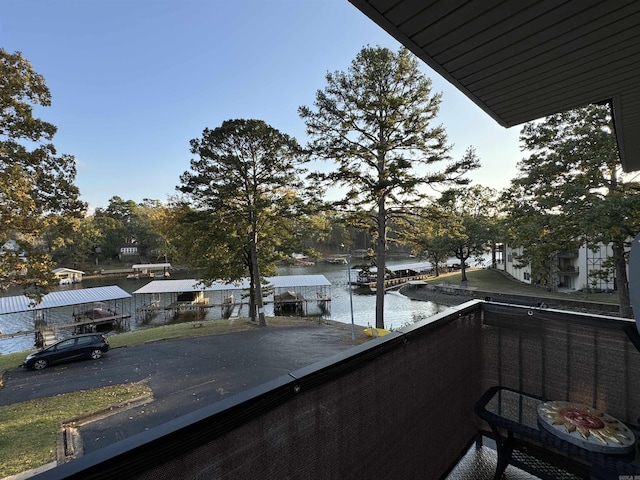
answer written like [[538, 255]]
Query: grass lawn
[[12, 360], [180, 330], [494, 281], [29, 430], [204, 328]]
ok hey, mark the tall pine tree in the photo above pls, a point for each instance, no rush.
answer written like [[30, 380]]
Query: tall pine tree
[[375, 121]]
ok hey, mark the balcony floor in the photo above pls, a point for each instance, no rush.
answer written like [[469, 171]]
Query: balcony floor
[[479, 463]]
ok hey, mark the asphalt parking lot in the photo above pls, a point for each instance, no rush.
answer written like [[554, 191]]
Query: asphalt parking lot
[[183, 374]]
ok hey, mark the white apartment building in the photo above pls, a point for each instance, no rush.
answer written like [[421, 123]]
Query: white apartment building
[[572, 269]]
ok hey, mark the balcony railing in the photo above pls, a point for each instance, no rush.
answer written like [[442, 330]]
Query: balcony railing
[[400, 406], [568, 270], [568, 254]]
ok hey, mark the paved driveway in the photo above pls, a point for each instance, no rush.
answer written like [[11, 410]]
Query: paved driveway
[[183, 374]]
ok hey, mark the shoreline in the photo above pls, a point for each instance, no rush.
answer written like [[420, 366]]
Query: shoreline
[[431, 295], [453, 297]]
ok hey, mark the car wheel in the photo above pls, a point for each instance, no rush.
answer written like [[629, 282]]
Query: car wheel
[[96, 354], [40, 364]]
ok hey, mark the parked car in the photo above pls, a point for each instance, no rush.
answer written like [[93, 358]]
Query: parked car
[[90, 345]]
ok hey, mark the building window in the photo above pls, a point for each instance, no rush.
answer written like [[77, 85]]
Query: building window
[[527, 276]]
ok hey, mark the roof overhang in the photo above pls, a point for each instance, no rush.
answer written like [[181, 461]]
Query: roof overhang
[[521, 60]]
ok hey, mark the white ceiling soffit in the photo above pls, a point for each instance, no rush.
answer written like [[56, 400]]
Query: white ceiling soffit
[[521, 60]]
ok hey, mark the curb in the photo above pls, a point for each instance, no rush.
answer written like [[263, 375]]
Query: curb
[[104, 412], [30, 473], [69, 439]]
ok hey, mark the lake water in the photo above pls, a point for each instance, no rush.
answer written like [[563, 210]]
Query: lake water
[[399, 310]]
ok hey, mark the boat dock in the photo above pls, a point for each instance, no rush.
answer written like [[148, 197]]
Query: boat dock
[[93, 308], [400, 275], [288, 293], [92, 325]]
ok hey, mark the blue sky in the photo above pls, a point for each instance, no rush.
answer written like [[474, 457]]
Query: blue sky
[[132, 81]]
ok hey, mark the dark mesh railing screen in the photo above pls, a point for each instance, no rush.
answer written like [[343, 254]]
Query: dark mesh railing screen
[[579, 358], [405, 414]]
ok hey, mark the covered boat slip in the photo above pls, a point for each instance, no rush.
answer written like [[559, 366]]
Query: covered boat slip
[[92, 308], [397, 274], [287, 293], [150, 270]]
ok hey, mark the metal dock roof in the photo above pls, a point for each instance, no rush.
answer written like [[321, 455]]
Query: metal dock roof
[[189, 285], [171, 286], [150, 266], [64, 298], [416, 266], [292, 281]]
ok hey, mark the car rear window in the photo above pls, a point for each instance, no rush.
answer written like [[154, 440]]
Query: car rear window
[[85, 340]]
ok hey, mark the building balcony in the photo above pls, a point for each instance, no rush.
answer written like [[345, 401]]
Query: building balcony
[[568, 270], [400, 406]]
